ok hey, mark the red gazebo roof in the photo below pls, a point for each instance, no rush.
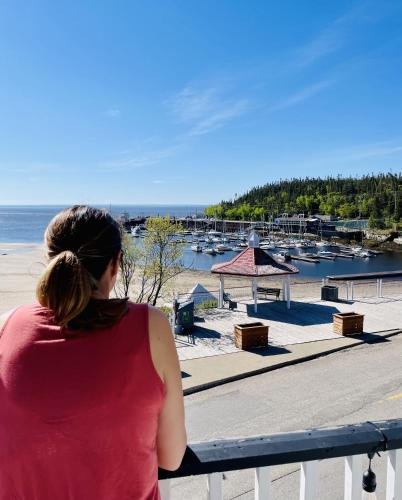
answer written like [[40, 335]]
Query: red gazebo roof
[[254, 262]]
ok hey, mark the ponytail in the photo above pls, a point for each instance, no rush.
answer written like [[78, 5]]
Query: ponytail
[[65, 287]]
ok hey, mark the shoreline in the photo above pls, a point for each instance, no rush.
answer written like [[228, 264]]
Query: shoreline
[[22, 263]]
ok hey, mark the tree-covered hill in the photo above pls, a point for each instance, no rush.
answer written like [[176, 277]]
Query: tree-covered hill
[[378, 197]]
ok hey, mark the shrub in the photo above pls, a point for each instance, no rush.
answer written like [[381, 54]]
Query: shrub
[[208, 304]]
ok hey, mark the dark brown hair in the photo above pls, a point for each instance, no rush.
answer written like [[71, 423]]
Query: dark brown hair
[[81, 242]]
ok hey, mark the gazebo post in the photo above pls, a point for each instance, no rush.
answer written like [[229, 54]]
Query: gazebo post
[[221, 291], [254, 288], [284, 290], [288, 292]]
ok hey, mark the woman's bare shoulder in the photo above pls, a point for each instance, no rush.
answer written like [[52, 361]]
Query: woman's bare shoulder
[[158, 322], [163, 349]]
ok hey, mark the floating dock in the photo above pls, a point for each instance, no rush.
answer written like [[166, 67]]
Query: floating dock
[[304, 259]]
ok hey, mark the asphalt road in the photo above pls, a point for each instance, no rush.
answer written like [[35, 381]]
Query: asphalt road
[[359, 384]]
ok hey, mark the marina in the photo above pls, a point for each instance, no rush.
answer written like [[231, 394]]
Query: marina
[[207, 242], [201, 252]]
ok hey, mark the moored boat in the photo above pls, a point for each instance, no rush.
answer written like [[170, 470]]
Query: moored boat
[[209, 251]]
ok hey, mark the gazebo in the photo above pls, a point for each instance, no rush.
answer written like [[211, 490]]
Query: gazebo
[[255, 263]]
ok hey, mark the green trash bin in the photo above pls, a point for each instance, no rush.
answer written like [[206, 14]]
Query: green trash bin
[[184, 315]]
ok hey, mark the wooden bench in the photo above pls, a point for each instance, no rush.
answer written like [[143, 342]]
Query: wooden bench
[[261, 290]]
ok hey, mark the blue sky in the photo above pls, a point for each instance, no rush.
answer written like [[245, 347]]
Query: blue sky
[[193, 101]]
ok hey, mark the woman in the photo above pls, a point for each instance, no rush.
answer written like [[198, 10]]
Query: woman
[[90, 387]]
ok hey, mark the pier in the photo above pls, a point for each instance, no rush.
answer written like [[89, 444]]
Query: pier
[[304, 259]]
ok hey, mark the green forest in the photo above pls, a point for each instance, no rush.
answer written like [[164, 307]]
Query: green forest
[[374, 197]]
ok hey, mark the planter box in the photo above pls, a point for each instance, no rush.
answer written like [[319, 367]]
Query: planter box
[[249, 335], [348, 323]]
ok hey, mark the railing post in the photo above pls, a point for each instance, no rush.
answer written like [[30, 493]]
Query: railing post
[[164, 489], [262, 483], [215, 486], [353, 477], [308, 480], [394, 475], [380, 287]]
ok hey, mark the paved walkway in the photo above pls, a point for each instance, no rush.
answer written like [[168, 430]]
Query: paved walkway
[[306, 321], [302, 333]]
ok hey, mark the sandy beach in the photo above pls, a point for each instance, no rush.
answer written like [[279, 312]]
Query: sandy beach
[[22, 264]]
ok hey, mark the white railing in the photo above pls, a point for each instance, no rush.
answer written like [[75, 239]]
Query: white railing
[[353, 442]]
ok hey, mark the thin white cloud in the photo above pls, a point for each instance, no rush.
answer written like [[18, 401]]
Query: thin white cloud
[[138, 160], [363, 151], [206, 110], [302, 95], [30, 167], [113, 112], [158, 181], [327, 42], [351, 155], [338, 33]]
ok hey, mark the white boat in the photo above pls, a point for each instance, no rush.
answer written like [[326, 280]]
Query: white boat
[[267, 245], [321, 243], [282, 256], [209, 251], [222, 247], [214, 233], [217, 239], [196, 248], [286, 245], [365, 254], [306, 244], [218, 250], [326, 253], [136, 231], [237, 248]]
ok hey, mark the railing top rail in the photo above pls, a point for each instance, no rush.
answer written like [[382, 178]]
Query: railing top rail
[[364, 276], [300, 446]]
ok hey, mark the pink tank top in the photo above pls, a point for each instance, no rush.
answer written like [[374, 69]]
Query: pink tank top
[[78, 415]]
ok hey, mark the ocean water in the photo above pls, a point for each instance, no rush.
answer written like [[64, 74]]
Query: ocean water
[[26, 224]]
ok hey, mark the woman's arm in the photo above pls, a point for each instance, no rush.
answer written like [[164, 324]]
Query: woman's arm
[[172, 438]]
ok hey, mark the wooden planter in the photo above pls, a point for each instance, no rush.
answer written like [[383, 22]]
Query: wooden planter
[[348, 323], [249, 335]]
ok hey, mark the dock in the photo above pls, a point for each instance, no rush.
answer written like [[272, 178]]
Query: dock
[[345, 256], [304, 259]]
